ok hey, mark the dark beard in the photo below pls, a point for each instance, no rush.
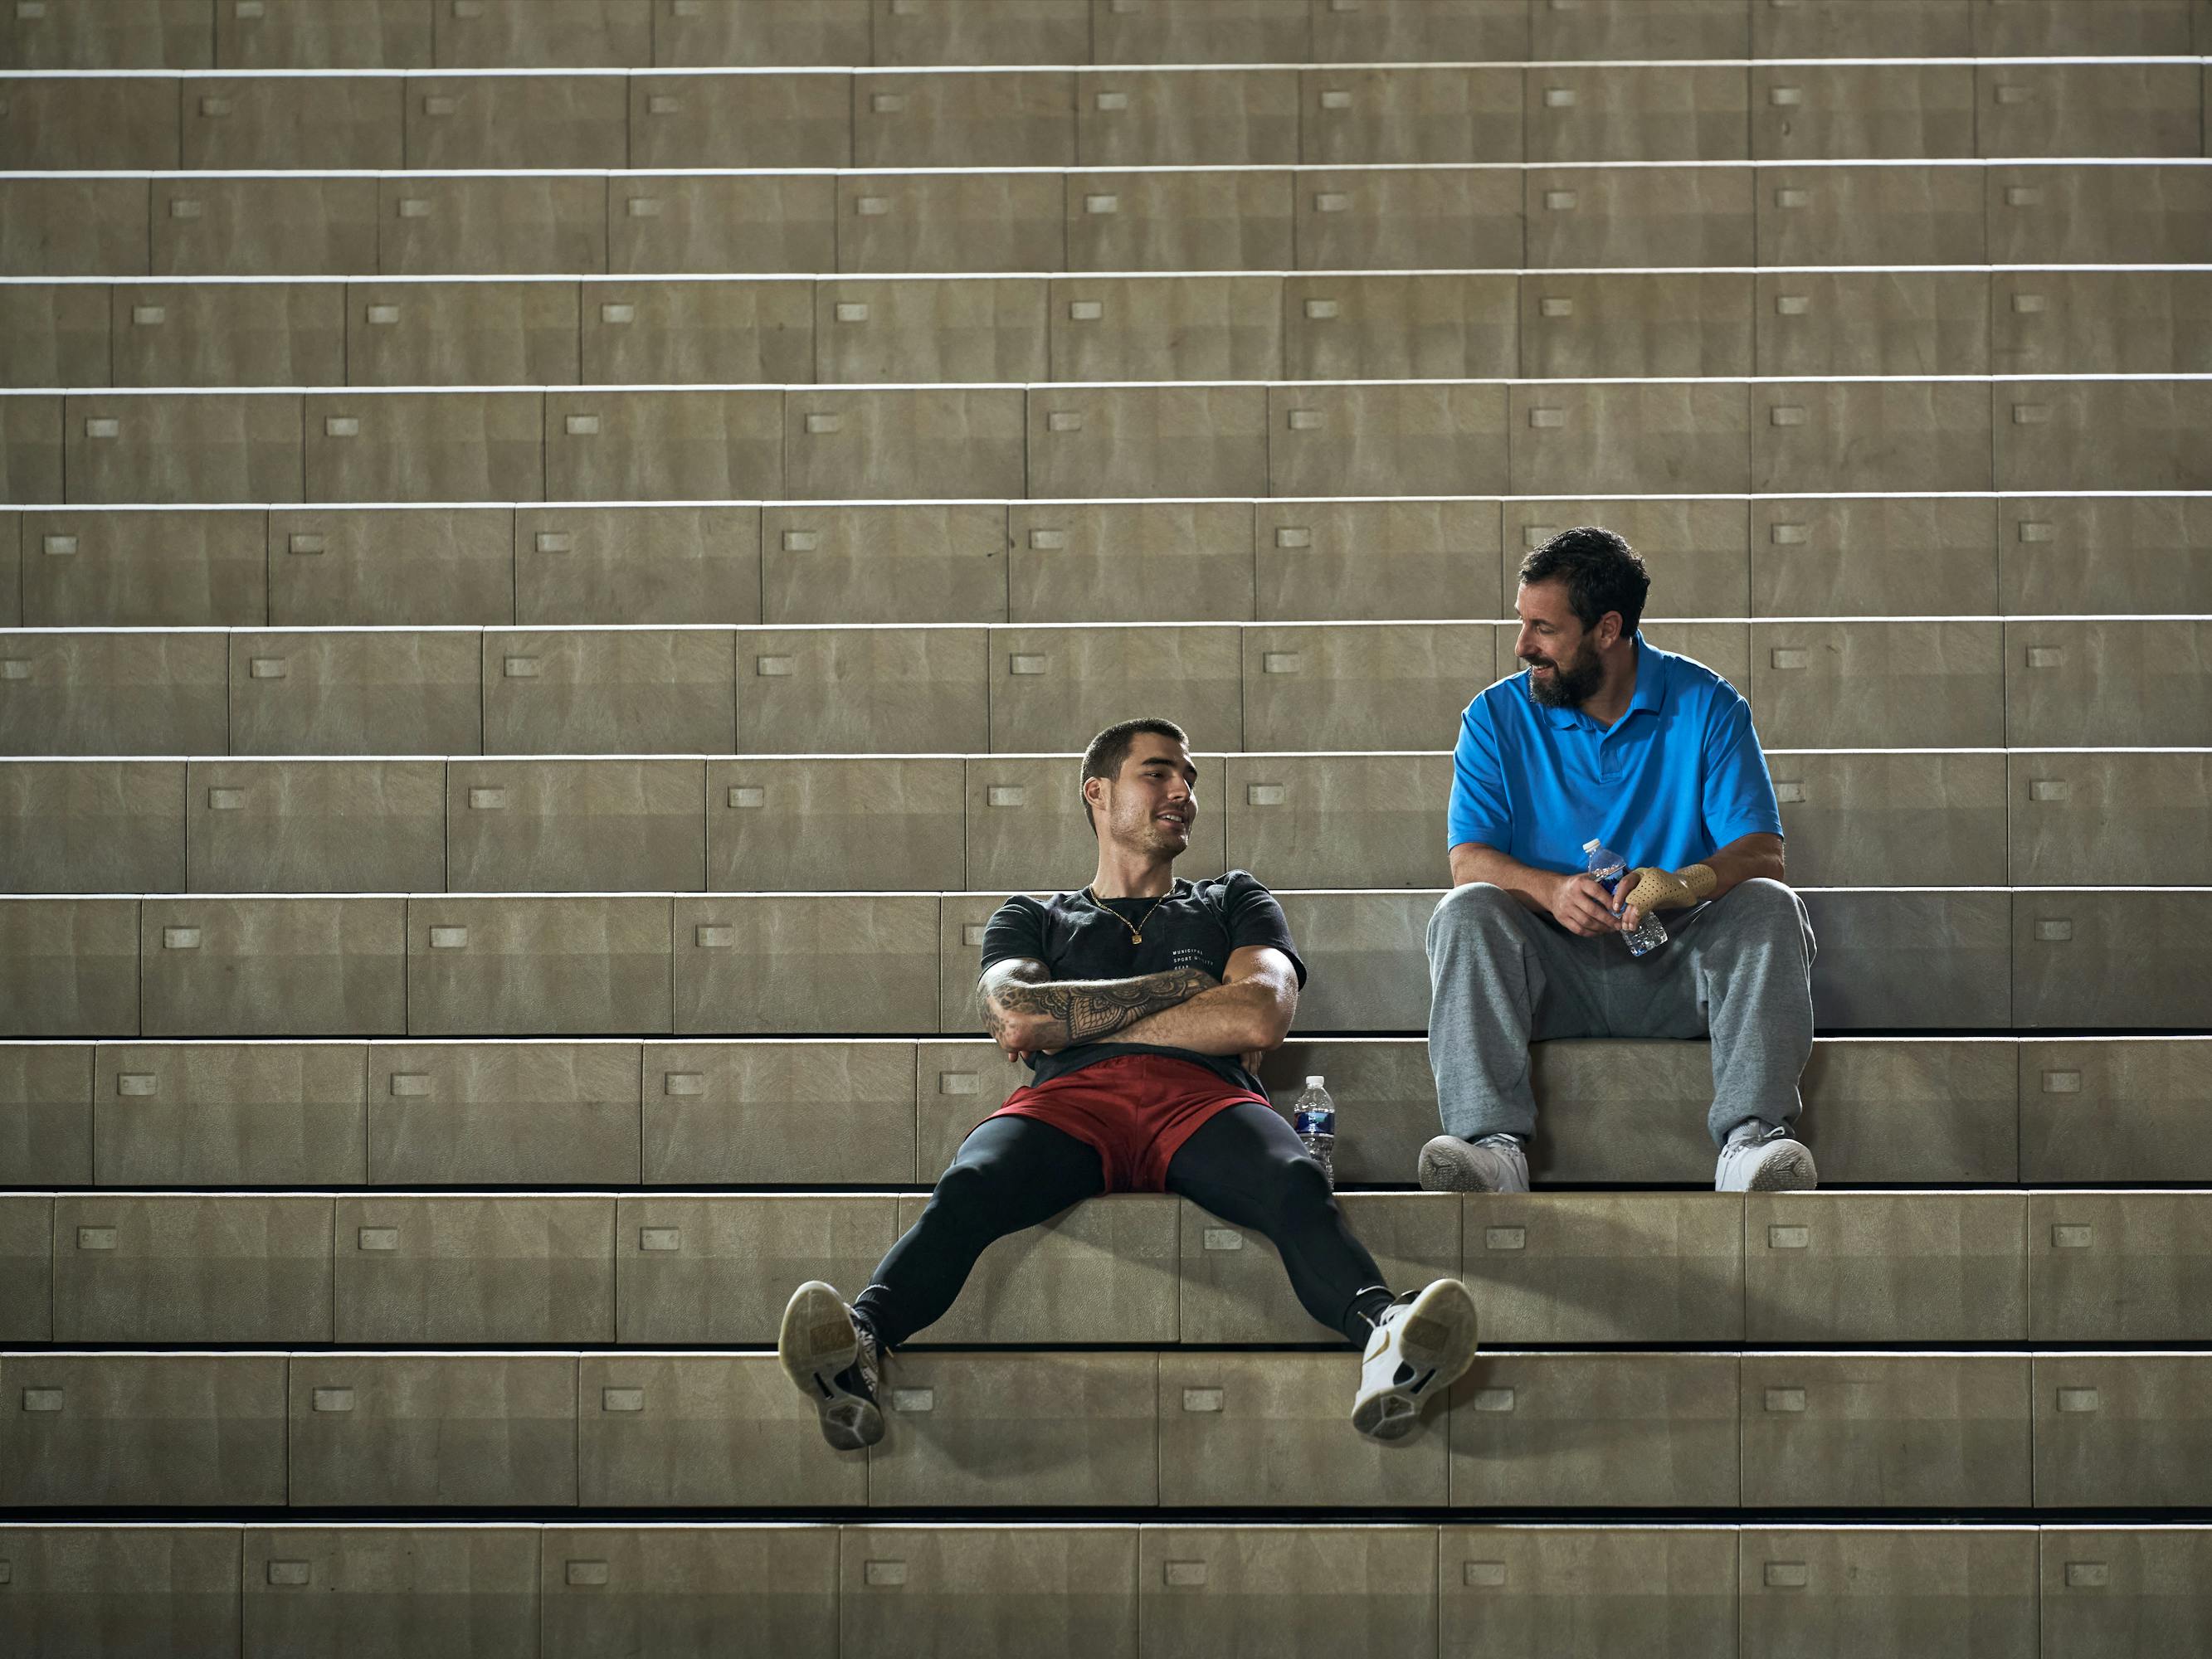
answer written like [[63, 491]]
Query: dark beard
[[1570, 684]]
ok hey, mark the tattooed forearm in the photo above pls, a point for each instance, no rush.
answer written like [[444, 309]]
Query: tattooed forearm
[[1059, 1015]]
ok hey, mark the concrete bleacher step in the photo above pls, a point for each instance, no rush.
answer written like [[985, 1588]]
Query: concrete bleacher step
[[1278, 561], [1496, 216], [203, 34], [645, 1270], [1176, 440], [1891, 1111], [767, 964], [1560, 1429], [936, 688], [2038, 817], [1346, 113], [1697, 1590], [421, 331]]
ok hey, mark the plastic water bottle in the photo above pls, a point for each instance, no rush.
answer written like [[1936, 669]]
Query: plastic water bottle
[[1607, 868], [1313, 1116]]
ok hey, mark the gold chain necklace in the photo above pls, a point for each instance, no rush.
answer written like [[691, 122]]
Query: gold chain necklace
[[1136, 930]]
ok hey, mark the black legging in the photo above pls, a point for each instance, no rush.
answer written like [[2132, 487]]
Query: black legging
[[1244, 1164]]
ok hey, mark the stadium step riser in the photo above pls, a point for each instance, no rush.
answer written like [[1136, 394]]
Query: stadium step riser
[[330, 1431], [1871, 683], [1066, 117], [1101, 563], [768, 965], [1555, 1268], [1932, 818], [202, 34], [643, 331], [1227, 561], [510, 1591], [965, 442], [1899, 1112], [1500, 218]]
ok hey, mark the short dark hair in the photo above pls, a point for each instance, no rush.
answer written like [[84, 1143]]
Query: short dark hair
[[1103, 758], [1601, 572]]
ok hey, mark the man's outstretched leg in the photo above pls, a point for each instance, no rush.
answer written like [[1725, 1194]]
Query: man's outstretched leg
[[1012, 1172], [1248, 1166]]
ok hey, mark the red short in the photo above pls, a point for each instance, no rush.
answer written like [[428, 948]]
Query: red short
[[1134, 1110]]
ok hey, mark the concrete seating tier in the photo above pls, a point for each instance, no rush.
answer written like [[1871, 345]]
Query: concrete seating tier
[[855, 964], [1547, 1269], [1092, 1589], [888, 1114], [2028, 818], [939, 689], [185, 34], [1349, 113], [1501, 216], [947, 442], [799, 563], [1988, 1432], [417, 332]]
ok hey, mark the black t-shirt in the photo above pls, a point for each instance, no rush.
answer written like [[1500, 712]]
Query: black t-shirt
[[1197, 927]]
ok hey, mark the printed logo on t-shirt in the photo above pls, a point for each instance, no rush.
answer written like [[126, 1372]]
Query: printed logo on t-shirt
[[1192, 956]]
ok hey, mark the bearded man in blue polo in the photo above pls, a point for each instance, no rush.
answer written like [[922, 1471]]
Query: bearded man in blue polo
[[1605, 740]]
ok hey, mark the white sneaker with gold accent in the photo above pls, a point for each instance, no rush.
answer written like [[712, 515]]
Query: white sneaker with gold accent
[[1421, 1344], [832, 1358]]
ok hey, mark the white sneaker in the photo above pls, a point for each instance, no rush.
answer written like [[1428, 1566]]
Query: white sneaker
[[832, 1360], [1421, 1345], [1764, 1157], [1495, 1164]]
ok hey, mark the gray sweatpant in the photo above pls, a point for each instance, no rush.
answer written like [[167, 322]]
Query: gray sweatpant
[[1739, 969]]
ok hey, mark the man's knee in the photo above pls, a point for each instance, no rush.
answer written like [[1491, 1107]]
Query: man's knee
[[966, 1187], [1762, 905], [1763, 894], [1296, 1182], [1476, 908]]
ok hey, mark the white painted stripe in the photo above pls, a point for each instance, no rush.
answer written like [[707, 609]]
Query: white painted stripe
[[1075, 388], [695, 894], [984, 757], [635, 278], [152, 175], [962, 71], [665, 1042], [676, 1194], [757, 629]]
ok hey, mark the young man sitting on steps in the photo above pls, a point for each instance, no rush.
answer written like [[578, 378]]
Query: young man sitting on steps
[[1142, 1004]]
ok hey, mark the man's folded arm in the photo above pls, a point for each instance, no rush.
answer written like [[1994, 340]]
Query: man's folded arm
[[1251, 1010], [1029, 1012]]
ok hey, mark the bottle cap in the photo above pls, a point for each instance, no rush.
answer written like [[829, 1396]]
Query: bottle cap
[[1314, 1083], [1589, 847]]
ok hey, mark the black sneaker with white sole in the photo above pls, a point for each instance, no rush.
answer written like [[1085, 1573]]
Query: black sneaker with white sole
[[832, 1358]]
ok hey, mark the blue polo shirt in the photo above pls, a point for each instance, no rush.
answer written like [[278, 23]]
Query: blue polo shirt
[[1677, 777]]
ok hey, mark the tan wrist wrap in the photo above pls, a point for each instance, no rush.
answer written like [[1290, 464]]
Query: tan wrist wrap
[[1669, 889]]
